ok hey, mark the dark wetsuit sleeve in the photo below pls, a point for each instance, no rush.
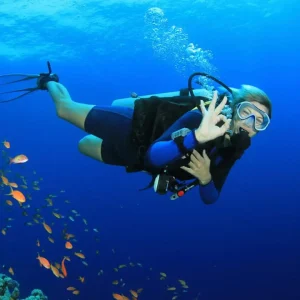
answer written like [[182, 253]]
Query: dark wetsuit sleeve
[[165, 151], [208, 193]]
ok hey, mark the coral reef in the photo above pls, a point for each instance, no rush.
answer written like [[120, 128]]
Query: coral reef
[[36, 295], [9, 290]]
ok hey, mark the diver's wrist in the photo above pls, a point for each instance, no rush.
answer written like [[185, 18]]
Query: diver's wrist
[[200, 137], [205, 180]]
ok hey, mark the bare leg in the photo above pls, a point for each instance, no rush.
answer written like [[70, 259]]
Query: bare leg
[[90, 145], [75, 113], [66, 108]]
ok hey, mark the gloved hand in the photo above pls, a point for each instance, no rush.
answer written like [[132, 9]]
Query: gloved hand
[[44, 78]]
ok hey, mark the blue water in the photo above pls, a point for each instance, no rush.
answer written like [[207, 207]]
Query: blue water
[[246, 246]]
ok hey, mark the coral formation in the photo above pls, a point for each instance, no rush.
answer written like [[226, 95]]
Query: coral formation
[[9, 290], [36, 295]]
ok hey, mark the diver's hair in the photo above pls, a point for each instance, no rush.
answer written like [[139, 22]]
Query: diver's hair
[[250, 93]]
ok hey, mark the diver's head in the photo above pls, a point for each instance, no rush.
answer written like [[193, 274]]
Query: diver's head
[[252, 110]]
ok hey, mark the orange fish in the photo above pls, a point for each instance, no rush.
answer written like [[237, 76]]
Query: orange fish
[[81, 279], [57, 266], [8, 202], [54, 271], [43, 261], [47, 228], [50, 202], [51, 240], [69, 236], [17, 195], [80, 255], [58, 216], [13, 184], [71, 288], [6, 144], [19, 159], [63, 268], [76, 292], [68, 245], [11, 271], [134, 293], [117, 296], [4, 180]]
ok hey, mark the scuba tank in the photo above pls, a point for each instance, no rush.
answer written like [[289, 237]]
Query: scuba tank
[[129, 102], [186, 99]]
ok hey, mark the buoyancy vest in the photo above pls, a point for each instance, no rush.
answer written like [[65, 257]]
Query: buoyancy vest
[[154, 115]]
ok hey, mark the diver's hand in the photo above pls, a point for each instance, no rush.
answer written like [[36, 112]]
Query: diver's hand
[[199, 167], [44, 79], [208, 130]]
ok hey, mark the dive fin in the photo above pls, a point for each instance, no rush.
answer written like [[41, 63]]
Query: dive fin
[[21, 92], [25, 77], [7, 80], [26, 92]]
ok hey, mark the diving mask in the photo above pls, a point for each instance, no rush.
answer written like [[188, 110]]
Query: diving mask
[[253, 116]]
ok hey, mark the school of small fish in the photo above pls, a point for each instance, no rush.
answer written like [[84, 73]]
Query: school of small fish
[[19, 197]]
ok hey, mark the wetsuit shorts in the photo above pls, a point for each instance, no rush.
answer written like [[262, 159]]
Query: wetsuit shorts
[[113, 125]]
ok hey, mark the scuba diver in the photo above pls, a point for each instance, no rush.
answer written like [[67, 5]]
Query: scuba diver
[[186, 139]]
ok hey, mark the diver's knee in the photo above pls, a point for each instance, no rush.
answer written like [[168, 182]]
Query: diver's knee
[[83, 144], [90, 145]]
